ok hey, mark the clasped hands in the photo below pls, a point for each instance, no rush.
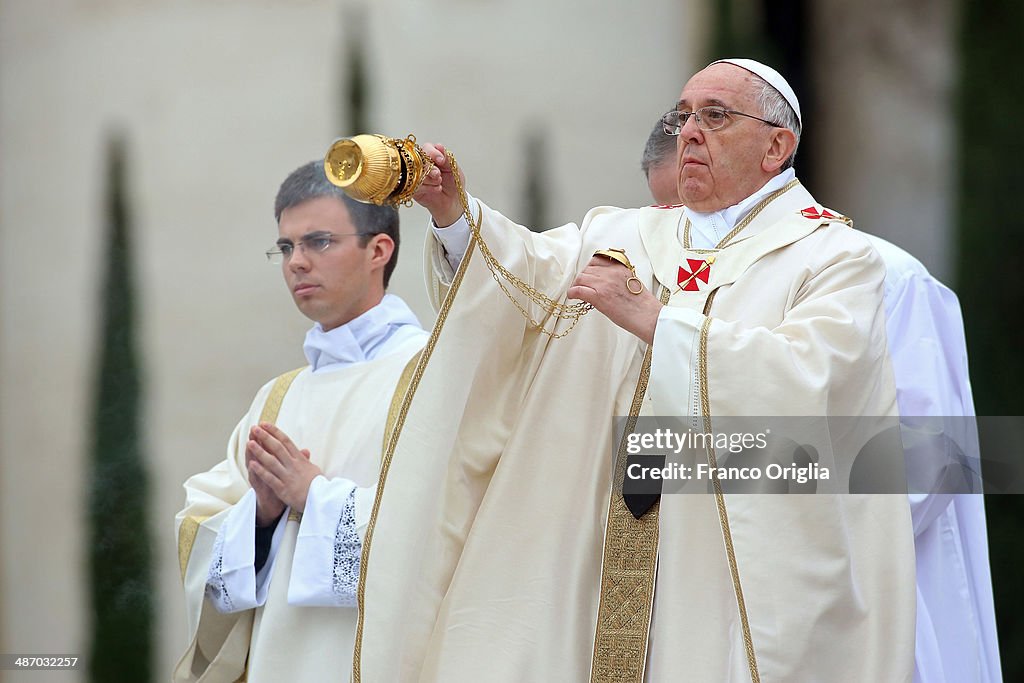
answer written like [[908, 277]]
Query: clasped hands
[[279, 472]]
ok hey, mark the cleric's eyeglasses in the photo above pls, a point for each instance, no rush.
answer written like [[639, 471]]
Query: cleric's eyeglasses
[[314, 243]]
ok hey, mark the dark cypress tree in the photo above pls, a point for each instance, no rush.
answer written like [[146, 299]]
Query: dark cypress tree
[[536, 183], [355, 87], [775, 32], [121, 588], [989, 275]]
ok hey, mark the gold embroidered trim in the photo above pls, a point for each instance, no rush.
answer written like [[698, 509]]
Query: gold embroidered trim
[[190, 525], [187, 538], [628, 568], [396, 398], [758, 208], [389, 451], [273, 405], [723, 515], [686, 237], [707, 302]]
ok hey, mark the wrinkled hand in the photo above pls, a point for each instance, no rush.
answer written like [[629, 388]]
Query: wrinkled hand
[[279, 472], [603, 285], [438, 192]]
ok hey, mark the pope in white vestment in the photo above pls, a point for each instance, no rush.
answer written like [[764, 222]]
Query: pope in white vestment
[[500, 577], [956, 634], [501, 549]]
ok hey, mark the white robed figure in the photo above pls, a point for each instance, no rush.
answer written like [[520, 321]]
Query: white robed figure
[[956, 627], [500, 547], [270, 537]]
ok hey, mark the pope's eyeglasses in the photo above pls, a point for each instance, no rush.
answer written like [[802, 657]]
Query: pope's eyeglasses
[[708, 119]]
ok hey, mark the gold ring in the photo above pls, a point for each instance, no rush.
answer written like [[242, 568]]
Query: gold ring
[[634, 278]]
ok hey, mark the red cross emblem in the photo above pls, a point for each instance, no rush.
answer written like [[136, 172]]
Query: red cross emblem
[[813, 213], [699, 270]]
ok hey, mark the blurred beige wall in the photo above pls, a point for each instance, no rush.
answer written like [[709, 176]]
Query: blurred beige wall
[[886, 74], [218, 101]]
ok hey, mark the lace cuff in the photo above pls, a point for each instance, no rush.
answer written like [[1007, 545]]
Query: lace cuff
[[348, 549], [216, 589], [325, 569], [232, 583]]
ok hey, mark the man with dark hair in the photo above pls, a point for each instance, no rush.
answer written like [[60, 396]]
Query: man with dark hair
[[504, 548], [270, 539], [956, 626], [659, 166]]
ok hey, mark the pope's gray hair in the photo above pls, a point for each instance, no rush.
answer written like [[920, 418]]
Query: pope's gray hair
[[776, 109]]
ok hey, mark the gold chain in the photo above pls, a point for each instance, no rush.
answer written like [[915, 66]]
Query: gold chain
[[758, 208], [554, 308]]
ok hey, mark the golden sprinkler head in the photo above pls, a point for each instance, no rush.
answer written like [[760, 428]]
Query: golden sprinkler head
[[377, 169]]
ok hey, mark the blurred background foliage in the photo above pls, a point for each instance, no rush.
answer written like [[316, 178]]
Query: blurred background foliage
[[121, 593], [988, 278], [990, 269]]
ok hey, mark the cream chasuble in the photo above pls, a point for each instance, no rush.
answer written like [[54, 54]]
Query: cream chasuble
[[486, 557], [340, 417]]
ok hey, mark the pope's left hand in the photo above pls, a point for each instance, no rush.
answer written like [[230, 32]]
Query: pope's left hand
[[603, 285]]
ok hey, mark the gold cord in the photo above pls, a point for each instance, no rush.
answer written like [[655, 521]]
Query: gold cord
[[553, 308], [723, 513]]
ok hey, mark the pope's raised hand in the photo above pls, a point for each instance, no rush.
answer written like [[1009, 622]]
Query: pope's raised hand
[[603, 284], [438, 192]]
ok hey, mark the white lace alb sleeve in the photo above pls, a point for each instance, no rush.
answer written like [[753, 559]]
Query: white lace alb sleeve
[[233, 585], [325, 571]]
